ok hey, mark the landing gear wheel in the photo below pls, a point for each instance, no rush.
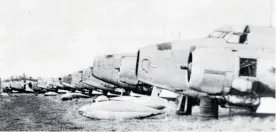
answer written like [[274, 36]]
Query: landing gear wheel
[[253, 109], [90, 92], [10, 91], [126, 93], [56, 90], [208, 108], [105, 92], [185, 105]]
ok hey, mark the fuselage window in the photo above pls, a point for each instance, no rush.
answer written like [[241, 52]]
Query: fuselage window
[[146, 65], [248, 67]]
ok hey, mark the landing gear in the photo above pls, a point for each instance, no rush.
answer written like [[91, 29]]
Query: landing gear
[[90, 92], [208, 108], [253, 109], [56, 90], [73, 90], [184, 105], [126, 93], [105, 92]]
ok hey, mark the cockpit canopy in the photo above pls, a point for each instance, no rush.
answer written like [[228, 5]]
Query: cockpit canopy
[[259, 36], [231, 35]]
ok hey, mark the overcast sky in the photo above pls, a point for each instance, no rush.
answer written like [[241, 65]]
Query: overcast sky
[[56, 37]]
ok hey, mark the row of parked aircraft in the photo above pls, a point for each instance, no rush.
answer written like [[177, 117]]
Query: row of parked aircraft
[[231, 68]]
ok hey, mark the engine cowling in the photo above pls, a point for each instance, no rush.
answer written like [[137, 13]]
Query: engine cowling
[[127, 70], [211, 70], [221, 71]]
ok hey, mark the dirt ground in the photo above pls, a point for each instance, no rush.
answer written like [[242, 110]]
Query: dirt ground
[[38, 113]]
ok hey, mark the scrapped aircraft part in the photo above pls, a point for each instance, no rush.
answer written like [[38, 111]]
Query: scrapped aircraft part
[[168, 94], [242, 100], [4, 94], [61, 91], [50, 94], [101, 98], [67, 96], [79, 95], [117, 110], [70, 96], [164, 46], [208, 108], [133, 94], [155, 91], [123, 98], [242, 85], [153, 102], [184, 105]]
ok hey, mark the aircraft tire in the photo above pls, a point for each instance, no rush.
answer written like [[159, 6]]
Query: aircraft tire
[[127, 93], [253, 109], [90, 92], [10, 91], [105, 92], [208, 108]]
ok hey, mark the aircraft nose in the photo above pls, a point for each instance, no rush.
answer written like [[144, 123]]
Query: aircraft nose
[[96, 66]]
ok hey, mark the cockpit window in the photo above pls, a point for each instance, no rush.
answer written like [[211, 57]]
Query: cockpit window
[[217, 34], [238, 38], [146, 65]]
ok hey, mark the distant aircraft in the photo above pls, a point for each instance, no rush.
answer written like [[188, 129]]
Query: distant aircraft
[[19, 83], [229, 68], [73, 81], [107, 68], [49, 84], [91, 83], [83, 81]]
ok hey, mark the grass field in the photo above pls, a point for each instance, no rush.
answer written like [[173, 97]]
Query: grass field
[[36, 113]]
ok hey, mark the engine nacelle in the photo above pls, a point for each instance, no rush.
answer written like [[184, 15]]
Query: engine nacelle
[[127, 70], [211, 71], [219, 71]]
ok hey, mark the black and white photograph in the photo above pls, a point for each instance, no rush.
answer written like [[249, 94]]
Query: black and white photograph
[[137, 65]]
